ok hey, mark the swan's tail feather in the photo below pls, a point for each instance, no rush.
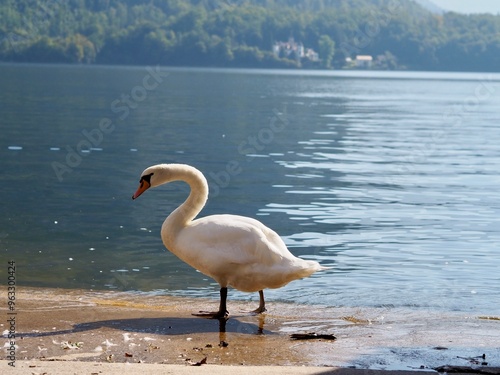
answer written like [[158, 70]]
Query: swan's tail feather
[[308, 269], [313, 265]]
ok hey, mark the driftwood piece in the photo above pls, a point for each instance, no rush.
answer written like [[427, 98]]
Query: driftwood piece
[[312, 336], [467, 370], [199, 363]]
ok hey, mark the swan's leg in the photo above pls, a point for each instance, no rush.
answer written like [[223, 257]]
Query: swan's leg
[[262, 304], [222, 313]]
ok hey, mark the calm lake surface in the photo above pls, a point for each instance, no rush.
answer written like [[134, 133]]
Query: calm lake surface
[[390, 178]]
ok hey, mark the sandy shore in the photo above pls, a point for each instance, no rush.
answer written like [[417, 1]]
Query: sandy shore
[[120, 333]]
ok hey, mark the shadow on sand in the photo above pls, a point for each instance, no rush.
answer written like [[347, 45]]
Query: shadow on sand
[[166, 326]]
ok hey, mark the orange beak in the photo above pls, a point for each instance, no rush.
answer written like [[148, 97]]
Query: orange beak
[[142, 188]]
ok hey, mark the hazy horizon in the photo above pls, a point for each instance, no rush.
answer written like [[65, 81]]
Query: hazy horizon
[[467, 6]]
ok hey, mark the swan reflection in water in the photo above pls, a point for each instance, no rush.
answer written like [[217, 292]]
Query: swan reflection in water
[[234, 250], [242, 328]]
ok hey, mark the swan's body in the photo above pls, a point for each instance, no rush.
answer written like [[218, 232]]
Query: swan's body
[[234, 250]]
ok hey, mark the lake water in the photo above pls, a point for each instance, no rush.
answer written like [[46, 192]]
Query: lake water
[[390, 178]]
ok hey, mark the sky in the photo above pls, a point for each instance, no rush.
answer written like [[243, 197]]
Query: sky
[[469, 6]]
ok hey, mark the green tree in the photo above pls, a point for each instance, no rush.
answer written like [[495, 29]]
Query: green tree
[[79, 49], [326, 50]]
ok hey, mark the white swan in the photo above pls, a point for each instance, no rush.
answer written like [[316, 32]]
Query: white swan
[[234, 250]]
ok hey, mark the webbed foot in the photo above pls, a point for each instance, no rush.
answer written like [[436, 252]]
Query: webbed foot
[[258, 310]]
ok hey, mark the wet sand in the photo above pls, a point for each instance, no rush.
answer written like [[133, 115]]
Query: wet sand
[[107, 332]]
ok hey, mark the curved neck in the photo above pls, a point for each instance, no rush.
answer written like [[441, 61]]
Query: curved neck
[[186, 212]]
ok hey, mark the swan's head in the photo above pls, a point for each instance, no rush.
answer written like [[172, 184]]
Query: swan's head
[[164, 173], [151, 177]]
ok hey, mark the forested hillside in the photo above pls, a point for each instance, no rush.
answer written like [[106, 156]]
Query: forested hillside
[[399, 34]]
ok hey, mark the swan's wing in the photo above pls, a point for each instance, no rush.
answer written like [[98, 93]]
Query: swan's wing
[[235, 239], [241, 252]]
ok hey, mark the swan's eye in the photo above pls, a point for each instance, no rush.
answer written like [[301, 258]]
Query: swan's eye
[[146, 178]]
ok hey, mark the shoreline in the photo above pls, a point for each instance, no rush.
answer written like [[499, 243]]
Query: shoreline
[[117, 329]]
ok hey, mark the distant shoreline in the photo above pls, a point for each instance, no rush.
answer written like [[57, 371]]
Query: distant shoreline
[[386, 34], [246, 68], [361, 73]]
